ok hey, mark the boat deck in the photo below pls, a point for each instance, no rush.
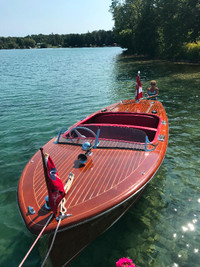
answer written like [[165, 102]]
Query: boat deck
[[109, 177]]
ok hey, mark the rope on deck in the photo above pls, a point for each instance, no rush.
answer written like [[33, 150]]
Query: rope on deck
[[63, 215]]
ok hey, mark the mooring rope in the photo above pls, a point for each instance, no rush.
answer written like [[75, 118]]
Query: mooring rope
[[63, 210], [54, 236], [36, 240]]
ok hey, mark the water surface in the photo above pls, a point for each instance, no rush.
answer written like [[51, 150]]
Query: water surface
[[43, 90]]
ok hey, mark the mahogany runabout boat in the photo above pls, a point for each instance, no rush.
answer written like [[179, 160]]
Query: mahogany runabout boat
[[112, 154]]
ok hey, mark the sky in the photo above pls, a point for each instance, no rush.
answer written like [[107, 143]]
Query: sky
[[19, 18]]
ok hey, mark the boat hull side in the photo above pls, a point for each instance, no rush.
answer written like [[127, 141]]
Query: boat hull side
[[72, 241]]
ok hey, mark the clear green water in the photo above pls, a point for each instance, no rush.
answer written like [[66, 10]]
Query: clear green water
[[43, 90]]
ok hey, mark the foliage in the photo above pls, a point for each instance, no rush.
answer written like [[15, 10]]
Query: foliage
[[193, 51], [156, 27], [95, 38]]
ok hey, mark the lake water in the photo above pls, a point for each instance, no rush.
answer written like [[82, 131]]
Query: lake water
[[43, 90]]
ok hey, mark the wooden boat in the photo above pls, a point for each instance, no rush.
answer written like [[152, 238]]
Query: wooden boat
[[113, 154]]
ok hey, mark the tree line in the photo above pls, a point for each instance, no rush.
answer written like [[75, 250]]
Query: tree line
[[158, 28], [95, 38], [167, 29]]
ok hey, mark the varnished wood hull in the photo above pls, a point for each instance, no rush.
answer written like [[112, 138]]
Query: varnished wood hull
[[69, 243], [107, 184]]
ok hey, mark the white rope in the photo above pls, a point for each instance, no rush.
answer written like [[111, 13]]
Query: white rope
[[36, 240], [63, 210], [69, 182], [62, 206], [54, 236]]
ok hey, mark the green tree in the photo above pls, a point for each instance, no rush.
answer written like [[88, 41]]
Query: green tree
[[96, 38], [156, 27], [125, 15], [146, 30], [20, 42], [29, 42]]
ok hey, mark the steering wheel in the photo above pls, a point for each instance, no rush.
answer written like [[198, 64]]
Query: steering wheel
[[78, 133]]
